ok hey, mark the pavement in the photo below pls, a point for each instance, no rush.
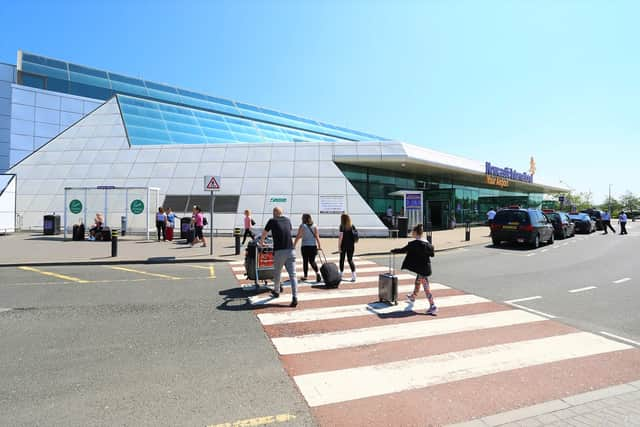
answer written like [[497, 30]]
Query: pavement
[[37, 249]]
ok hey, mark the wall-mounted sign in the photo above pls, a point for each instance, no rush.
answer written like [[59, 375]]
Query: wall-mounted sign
[[413, 200], [137, 207], [507, 173], [498, 181], [332, 204], [75, 206]]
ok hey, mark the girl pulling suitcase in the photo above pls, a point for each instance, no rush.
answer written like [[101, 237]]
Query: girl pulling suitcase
[[418, 260]]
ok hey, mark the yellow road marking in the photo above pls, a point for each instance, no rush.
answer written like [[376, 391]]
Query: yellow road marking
[[212, 271], [146, 273], [56, 275], [261, 421]]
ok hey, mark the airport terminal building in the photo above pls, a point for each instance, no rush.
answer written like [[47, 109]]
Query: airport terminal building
[[79, 140]]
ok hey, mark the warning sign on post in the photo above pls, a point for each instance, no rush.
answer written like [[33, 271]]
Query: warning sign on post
[[211, 183]]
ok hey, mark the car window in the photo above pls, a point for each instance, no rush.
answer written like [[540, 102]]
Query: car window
[[507, 216]]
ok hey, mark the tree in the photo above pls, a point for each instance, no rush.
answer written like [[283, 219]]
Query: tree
[[630, 201], [612, 204], [581, 201]]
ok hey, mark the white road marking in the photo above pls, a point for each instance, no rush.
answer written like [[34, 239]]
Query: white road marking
[[627, 340], [242, 276], [544, 250], [360, 280], [523, 299], [2, 310], [522, 307], [403, 331], [564, 244], [330, 259], [337, 293], [240, 268], [533, 254], [586, 288], [626, 279], [324, 388], [341, 312]]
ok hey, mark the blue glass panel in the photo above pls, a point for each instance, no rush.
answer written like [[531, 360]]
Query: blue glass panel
[[243, 129], [243, 137], [89, 80], [179, 118], [136, 140], [209, 116], [32, 80], [184, 138], [128, 88], [73, 68], [210, 124], [160, 87], [215, 133], [241, 122], [44, 70], [89, 91], [57, 85], [124, 79], [179, 127], [140, 111], [37, 59], [135, 120], [152, 134]]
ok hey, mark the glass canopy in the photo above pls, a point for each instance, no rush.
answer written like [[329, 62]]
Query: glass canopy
[[262, 124]]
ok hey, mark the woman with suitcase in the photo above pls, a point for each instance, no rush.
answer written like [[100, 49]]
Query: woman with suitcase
[[308, 233], [418, 260]]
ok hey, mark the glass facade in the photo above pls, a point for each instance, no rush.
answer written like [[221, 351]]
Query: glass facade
[[445, 199], [60, 76]]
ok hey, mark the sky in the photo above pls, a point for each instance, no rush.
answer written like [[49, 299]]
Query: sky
[[496, 81]]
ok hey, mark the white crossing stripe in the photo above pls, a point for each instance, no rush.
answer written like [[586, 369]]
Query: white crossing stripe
[[240, 268], [330, 259], [337, 293], [360, 280], [242, 276], [343, 385], [403, 331], [340, 312], [586, 288], [626, 279], [523, 299]]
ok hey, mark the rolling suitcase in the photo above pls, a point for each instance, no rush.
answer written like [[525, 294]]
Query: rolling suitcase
[[168, 233], [330, 273], [388, 284], [78, 232]]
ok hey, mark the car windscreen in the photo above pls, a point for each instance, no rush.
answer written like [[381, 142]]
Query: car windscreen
[[553, 217], [583, 217], [506, 217]]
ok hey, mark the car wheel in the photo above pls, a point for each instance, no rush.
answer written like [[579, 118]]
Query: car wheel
[[551, 239], [536, 242]]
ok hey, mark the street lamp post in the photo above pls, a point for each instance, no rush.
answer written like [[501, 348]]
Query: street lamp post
[[609, 199]]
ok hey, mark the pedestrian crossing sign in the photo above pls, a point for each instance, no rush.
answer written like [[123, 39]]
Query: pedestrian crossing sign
[[211, 183]]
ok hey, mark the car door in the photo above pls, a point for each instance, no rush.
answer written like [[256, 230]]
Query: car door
[[546, 226]]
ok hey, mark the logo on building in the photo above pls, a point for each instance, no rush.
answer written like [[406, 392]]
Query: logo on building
[[278, 200], [532, 166], [507, 173]]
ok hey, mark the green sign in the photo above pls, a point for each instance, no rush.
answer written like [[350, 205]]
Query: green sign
[[278, 200], [75, 206], [137, 207]]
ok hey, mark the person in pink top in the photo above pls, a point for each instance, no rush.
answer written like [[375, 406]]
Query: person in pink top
[[198, 222], [248, 223]]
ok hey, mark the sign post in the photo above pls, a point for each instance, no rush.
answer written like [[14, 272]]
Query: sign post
[[212, 184]]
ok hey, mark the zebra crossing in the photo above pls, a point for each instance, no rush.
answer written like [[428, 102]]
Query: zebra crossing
[[360, 362]]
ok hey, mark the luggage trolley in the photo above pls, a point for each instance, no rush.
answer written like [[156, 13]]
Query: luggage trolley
[[259, 261]]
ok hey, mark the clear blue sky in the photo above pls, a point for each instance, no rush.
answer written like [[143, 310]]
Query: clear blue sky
[[488, 80]]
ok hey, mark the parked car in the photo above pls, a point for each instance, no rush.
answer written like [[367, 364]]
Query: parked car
[[562, 224], [596, 215], [529, 226], [583, 222]]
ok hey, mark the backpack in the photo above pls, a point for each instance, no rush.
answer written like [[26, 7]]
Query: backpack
[[204, 220], [356, 237]]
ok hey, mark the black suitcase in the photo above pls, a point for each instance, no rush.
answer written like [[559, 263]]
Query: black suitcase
[[388, 284], [191, 235], [330, 273], [78, 232]]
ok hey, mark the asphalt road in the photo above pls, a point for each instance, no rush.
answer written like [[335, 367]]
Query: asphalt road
[[135, 346], [588, 281]]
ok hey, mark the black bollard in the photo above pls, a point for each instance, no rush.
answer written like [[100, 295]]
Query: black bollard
[[429, 232], [114, 242], [467, 231], [236, 234]]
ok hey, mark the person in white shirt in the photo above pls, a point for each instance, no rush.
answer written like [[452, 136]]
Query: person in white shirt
[[622, 219], [606, 222], [491, 215]]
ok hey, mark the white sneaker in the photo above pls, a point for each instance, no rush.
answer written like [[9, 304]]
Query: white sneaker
[[353, 276]]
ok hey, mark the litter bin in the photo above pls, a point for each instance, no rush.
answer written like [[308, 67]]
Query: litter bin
[[123, 225], [185, 227], [403, 226], [51, 224]]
